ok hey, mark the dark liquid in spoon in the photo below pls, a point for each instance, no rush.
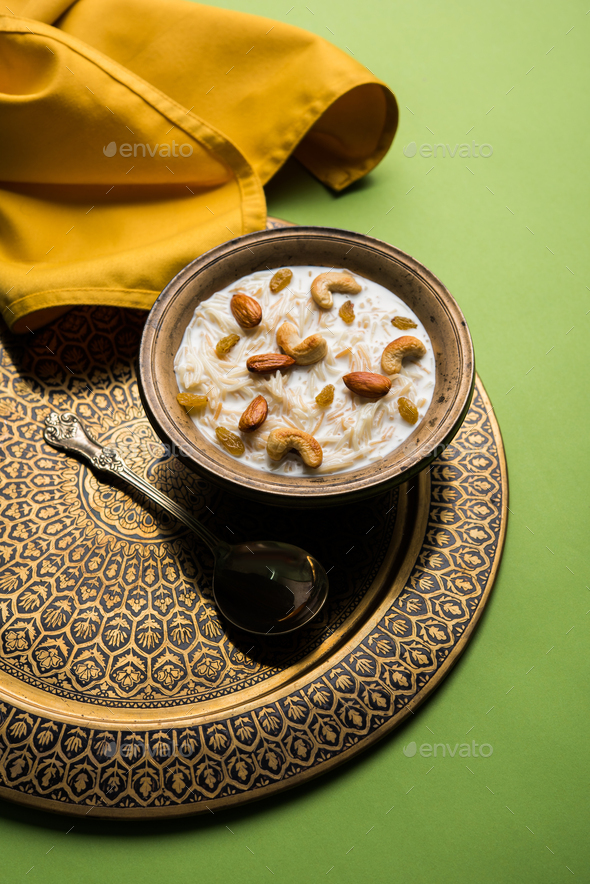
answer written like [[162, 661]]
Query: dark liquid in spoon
[[265, 587]]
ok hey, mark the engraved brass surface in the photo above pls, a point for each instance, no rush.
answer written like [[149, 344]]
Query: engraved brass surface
[[121, 690]]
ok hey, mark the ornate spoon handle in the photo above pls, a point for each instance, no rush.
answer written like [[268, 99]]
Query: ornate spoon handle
[[66, 432]]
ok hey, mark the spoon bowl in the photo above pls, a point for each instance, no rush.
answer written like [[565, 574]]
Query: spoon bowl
[[264, 587], [290, 586]]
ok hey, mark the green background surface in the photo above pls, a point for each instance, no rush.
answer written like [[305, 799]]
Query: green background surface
[[508, 235]]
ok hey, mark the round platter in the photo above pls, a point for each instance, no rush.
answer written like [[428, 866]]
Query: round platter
[[121, 691]]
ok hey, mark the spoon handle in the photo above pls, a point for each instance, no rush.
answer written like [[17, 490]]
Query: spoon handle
[[65, 431]]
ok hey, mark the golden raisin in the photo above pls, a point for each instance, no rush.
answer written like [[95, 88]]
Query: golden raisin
[[223, 346], [280, 279], [346, 312], [191, 400], [403, 322], [407, 409], [326, 396], [232, 443]]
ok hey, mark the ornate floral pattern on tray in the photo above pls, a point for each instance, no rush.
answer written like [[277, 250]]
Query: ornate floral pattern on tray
[[121, 691]]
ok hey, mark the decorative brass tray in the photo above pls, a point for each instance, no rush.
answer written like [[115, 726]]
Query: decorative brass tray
[[121, 692]]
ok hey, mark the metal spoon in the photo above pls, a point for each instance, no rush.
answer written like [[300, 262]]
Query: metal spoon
[[264, 587]]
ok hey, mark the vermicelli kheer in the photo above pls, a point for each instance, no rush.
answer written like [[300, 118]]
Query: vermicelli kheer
[[231, 354]]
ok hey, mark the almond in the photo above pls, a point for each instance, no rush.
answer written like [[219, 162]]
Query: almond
[[254, 416], [367, 384], [268, 362], [247, 312]]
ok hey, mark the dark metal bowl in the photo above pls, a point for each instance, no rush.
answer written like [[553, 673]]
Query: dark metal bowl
[[322, 246]]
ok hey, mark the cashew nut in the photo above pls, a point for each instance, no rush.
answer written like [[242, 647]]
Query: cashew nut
[[396, 351], [312, 349], [283, 439], [326, 283]]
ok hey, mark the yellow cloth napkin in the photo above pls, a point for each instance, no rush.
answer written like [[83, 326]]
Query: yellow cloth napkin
[[136, 135]]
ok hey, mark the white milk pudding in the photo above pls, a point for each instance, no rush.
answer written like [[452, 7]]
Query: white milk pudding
[[366, 419]]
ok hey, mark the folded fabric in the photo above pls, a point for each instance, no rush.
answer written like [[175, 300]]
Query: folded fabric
[[137, 135]]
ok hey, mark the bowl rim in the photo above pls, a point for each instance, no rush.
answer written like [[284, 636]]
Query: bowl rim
[[291, 490]]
